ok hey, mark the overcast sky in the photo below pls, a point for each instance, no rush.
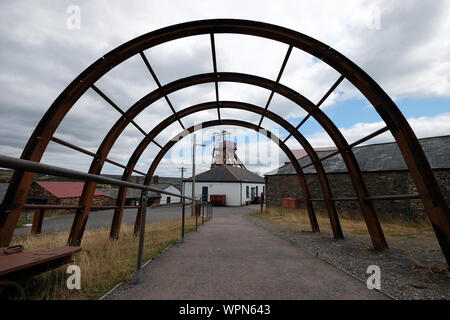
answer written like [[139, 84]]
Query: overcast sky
[[403, 45]]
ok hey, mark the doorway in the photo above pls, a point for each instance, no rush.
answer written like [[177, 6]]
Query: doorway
[[204, 194]]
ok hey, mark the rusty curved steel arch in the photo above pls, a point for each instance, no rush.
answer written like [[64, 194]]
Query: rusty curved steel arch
[[421, 172], [373, 225], [332, 213], [230, 122]]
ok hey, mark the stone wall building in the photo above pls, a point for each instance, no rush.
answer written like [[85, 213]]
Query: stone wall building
[[63, 193], [384, 172]]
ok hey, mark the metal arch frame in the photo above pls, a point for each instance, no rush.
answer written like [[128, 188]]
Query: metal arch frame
[[421, 172], [332, 213], [370, 217], [231, 122], [306, 196]]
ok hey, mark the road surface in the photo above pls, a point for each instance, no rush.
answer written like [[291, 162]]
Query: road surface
[[103, 219]]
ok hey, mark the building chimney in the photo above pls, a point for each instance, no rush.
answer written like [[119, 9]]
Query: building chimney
[[155, 179]]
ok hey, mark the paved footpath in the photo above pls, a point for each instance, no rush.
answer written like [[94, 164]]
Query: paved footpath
[[231, 258]]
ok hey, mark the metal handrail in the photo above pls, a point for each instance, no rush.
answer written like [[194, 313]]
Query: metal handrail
[[37, 167]]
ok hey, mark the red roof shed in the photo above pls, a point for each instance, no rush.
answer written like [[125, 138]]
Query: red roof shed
[[62, 189]]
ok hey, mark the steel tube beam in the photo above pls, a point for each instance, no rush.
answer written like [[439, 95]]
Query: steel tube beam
[[216, 84], [395, 197], [141, 237], [58, 206], [334, 199], [350, 146], [330, 91], [152, 72], [368, 137], [37, 167], [74, 147], [374, 198], [115, 106], [89, 153], [280, 73], [326, 95], [51, 206]]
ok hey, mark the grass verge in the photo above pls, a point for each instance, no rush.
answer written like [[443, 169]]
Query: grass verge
[[298, 221], [48, 213], [103, 262]]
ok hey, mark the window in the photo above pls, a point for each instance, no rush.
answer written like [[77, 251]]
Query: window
[[257, 194], [247, 192], [37, 201], [168, 200]]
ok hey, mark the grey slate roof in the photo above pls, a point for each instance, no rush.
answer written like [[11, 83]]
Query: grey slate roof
[[136, 193], [378, 157], [175, 181], [227, 174], [163, 186], [131, 193]]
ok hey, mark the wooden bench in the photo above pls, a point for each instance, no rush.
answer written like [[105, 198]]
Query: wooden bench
[[17, 266]]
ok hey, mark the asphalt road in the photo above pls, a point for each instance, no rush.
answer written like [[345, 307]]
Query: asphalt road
[[232, 258], [103, 219]]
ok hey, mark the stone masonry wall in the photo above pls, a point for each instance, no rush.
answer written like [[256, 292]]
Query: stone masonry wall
[[378, 183], [39, 193]]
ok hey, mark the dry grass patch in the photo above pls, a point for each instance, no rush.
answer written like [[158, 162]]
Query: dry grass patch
[[103, 262], [48, 213], [416, 239], [298, 221]]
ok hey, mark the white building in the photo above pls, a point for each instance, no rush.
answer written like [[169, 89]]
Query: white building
[[165, 198], [239, 185]]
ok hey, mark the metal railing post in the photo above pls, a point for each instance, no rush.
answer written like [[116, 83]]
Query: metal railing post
[[203, 213], [196, 216], [262, 201], [141, 235], [183, 208], [183, 203]]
